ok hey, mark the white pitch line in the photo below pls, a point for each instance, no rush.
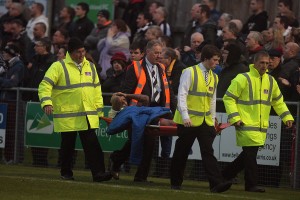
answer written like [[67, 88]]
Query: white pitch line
[[136, 187]]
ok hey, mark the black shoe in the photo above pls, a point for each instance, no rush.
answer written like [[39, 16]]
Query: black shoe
[[115, 175], [67, 177], [255, 189], [106, 176], [221, 187], [175, 187]]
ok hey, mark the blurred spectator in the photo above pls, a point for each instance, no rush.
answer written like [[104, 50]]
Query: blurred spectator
[[16, 12], [21, 39], [153, 33], [97, 34], [115, 75], [206, 26], [285, 9], [61, 54], [273, 39], [254, 44], [37, 16], [136, 51], [60, 38], [12, 77], [223, 21], [231, 31], [289, 68], [173, 66], [238, 23], [117, 40], [143, 22], [188, 56], [26, 12], [130, 15], [83, 26], [293, 36], [6, 34], [39, 32], [66, 16], [165, 41], [34, 74], [159, 17], [275, 64], [280, 23], [153, 5], [258, 21], [190, 29], [232, 66], [5, 16], [214, 13]]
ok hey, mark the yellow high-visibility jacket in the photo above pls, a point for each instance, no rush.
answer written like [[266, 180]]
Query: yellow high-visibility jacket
[[75, 95], [249, 98], [199, 98]]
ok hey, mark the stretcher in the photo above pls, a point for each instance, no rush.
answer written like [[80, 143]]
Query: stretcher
[[170, 130]]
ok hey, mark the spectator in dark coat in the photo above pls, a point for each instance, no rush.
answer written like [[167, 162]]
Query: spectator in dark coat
[[258, 21], [12, 77], [21, 39], [34, 74], [98, 33], [66, 16], [83, 26], [191, 27], [289, 68], [232, 67], [173, 66], [206, 26], [275, 64], [115, 75]]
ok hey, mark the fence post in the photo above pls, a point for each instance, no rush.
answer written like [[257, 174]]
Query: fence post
[[17, 124], [296, 178]]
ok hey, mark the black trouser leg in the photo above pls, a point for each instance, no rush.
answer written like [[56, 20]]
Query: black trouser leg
[[210, 163], [93, 151], [67, 150], [120, 156], [250, 166], [180, 155], [144, 167]]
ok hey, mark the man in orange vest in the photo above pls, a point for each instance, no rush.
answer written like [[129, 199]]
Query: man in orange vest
[[146, 77]]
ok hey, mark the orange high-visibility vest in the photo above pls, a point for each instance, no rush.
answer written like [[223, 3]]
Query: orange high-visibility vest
[[141, 77]]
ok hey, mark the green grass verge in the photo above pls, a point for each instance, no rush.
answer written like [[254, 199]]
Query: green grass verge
[[22, 182]]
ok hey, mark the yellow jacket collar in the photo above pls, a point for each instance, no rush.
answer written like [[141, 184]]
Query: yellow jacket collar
[[254, 72], [69, 60]]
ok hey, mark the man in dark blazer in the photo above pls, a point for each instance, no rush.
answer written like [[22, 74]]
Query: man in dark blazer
[[160, 94]]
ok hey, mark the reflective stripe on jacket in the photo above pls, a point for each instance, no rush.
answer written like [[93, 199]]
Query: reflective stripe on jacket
[[199, 98], [249, 98], [141, 77], [75, 95]]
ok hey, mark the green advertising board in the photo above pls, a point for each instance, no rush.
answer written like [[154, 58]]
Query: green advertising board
[[39, 131], [95, 6]]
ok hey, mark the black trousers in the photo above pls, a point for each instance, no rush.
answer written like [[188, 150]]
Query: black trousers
[[246, 160], [205, 135], [120, 156], [91, 147]]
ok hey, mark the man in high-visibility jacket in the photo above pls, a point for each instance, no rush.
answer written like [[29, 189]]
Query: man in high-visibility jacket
[[248, 102], [71, 91], [195, 116]]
